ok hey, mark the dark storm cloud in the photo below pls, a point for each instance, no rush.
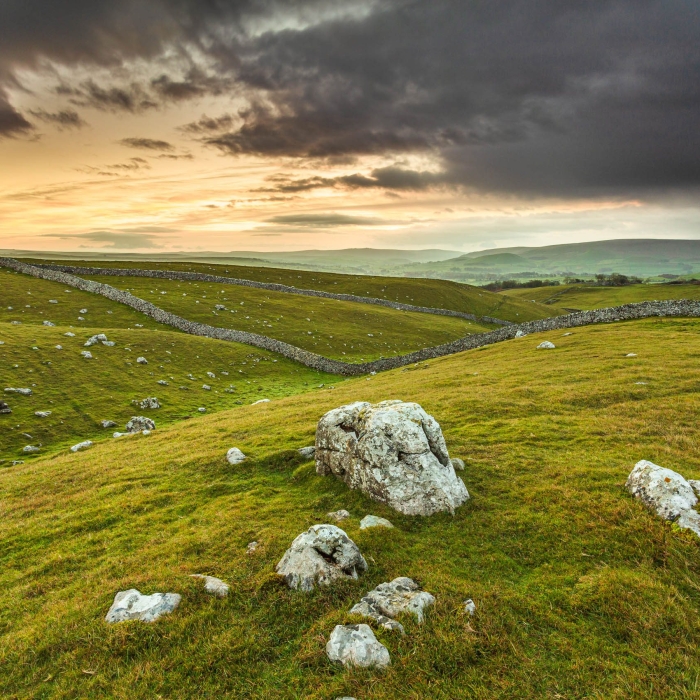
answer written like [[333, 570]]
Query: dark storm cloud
[[330, 220], [12, 123], [542, 97], [64, 119], [147, 144]]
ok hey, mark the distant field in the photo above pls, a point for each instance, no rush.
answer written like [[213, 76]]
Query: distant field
[[580, 591], [440, 294], [583, 297], [338, 329], [81, 392]]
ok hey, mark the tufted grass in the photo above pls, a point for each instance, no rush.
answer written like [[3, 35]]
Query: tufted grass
[[580, 591], [339, 329], [440, 294], [577, 296]]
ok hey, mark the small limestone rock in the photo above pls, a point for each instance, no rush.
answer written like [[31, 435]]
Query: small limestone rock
[[307, 452], [319, 556], [15, 462], [206, 387], [546, 345], [260, 401], [162, 382], [53, 301], [370, 521], [388, 600], [86, 354], [141, 361], [631, 354], [48, 323], [133, 605], [520, 334], [95, 339], [109, 343], [4, 408], [252, 546], [201, 409], [149, 402], [139, 423], [338, 515], [565, 334], [458, 464], [108, 424], [69, 334], [81, 446], [118, 435], [235, 456], [356, 645], [59, 347], [469, 606], [211, 375], [213, 585], [30, 449], [22, 392], [42, 414], [83, 311]]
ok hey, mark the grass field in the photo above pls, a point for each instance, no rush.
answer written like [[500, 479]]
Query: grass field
[[580, 591], [440, 294], [82, 392], [583, 297], [339, 329]]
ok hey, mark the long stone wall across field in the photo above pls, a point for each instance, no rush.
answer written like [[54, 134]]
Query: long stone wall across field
[[627, 312], [270, 286]]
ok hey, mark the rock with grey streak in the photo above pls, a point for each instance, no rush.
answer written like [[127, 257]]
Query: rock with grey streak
[[214, 586], [133, 605], [356, 645], [665, 492], [394, 452], [321, 555]]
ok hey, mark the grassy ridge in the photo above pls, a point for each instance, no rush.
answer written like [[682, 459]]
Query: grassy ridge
[[338, 329], [583, 297], [439, 294], [82, 392], [580, 591]]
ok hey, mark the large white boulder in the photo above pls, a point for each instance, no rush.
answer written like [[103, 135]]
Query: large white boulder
[[356, 645], [133, 605], [666, 492], [319, 556], [394, 452], [235, 456]]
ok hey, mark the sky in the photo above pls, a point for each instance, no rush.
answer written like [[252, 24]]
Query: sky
[[270, 125]]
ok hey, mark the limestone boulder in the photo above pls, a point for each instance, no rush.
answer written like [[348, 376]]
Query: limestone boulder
[[235, 456], [664, 491], [394, 452], [139, 423], [320, 556], [133, 605], [546, 345], [356, 645], [86, 444]]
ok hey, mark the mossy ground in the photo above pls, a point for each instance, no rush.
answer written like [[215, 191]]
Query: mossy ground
[[584, 297], [580, 591], [339, 329], [440, 294]]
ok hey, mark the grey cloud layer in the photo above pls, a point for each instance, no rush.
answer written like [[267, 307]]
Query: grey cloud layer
[[541, 97]]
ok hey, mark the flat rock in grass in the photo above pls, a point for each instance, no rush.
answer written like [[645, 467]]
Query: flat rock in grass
[[235, 456], [458, 464], [81, 446], [666, 492], [86, 354], [42, 414], [214, 586], [388, 600], [321, 555], [370, 521], [394, 452], [133, 605], [30, 449], [162, 382], [251, 547], [141, 360], [4, 408], [69, 334], [108, 424], [48, 323], [307, 452], [21, 392], [255, 403], [356, 645], [139, 423], [100, 337], [201, 409], [546, 345], [338, 515]]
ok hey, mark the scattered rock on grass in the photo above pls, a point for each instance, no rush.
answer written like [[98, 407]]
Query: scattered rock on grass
[[69, 334], [81, 446], [48, 323], [252, 546], [338, 515], [4, 408], [133, 605], [30, 449], [141, 361], [93, 340], [370, 521], [307, 452], [666, 492], [86, 354], [42, 414], [162, 382], [22, 392], [108, 424], [388, 600], [392, 451], [469, 606], [201, 409], [235, 456], [260, 401], [546, 345], [149, 402], [139, 423], [631, 354], [319, 556], [356, 645], [458, 464], [213, 585]]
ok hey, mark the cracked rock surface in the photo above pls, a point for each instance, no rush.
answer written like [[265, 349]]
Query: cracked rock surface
[[388, 600], [666, 492], [133, 605], [394, 452], [319, 556], [356, 645]]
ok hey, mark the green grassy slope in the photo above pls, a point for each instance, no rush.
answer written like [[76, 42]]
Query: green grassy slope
[[338, 329], [82, 392], [440, 294], [580, 591], [583, 297]]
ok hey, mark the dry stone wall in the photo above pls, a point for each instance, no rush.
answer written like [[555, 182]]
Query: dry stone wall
[[270, 286], [628, 312]]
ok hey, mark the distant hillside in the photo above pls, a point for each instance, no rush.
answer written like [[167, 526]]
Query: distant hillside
[[644, 257]]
